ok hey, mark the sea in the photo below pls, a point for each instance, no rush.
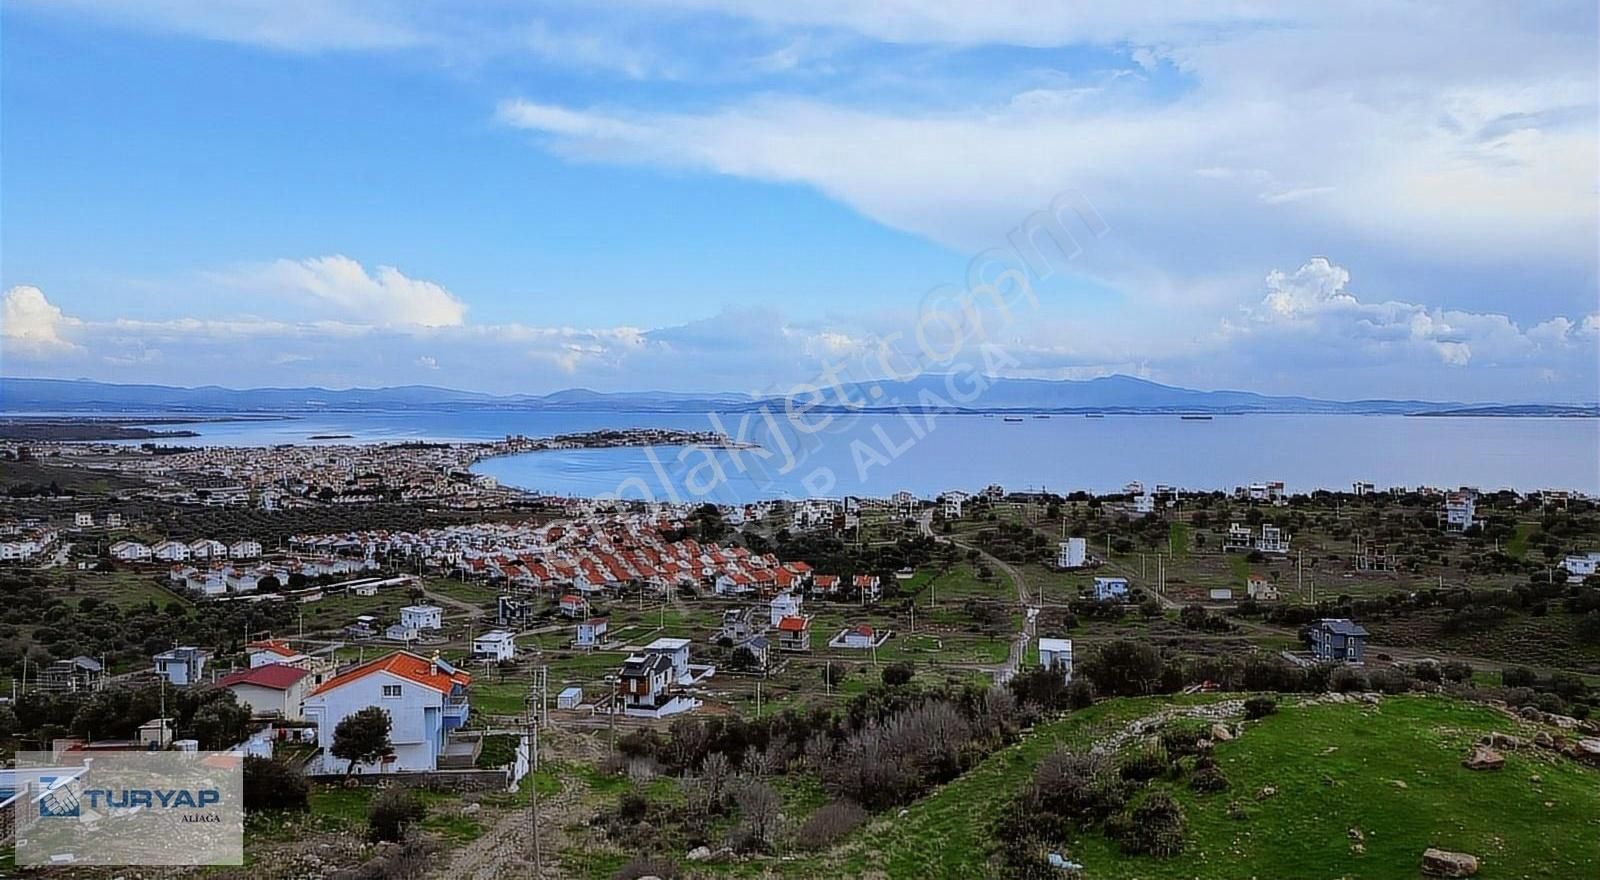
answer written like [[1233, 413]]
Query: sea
[[876, 455]]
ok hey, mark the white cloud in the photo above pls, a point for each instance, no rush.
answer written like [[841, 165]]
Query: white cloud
[[1313, 310], [31, 325], [1470, 146], [385, 298], [550, 119]]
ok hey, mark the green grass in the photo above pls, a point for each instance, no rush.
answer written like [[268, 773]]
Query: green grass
[[1517, 544], [1335, 767], [499, 697], [472, 593], [125, 589], [1178, 540]]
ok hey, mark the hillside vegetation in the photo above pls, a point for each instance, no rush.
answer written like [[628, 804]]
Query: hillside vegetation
[[1360, 791]]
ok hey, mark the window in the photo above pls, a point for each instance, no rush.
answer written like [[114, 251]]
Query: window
[[391, 690]]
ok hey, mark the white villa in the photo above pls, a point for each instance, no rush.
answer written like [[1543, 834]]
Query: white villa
[[171, 551], [130, 551], [1073, 553], [422, 617], [245, 549], [182, 666], [495, 645], [1579, 568], [205, 548], [785, 604], [425, 700], [1056, 651], [592, 632]]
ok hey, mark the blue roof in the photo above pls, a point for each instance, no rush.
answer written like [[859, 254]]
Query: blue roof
[[1341, 626]]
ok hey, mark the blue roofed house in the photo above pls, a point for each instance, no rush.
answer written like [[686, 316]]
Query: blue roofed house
[[1338, 640]]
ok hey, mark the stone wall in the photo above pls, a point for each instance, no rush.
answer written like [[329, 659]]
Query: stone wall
[[442, 780]]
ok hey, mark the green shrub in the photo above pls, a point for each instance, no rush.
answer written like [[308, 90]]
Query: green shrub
[[1208, 780], [1144, 765], [273, 785], [392, 813], [1156, 826], [1259, 707]]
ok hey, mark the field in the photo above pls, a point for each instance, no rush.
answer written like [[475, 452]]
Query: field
[[125, 589], [1393, 772], [1549, 641]]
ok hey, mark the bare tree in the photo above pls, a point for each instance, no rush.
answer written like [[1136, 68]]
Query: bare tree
[[716, 771], [759, 807]]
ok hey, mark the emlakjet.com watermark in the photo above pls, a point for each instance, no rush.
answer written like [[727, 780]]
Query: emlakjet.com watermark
[[129, 808]]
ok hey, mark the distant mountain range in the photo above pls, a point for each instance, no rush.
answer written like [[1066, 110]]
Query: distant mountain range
[[1110, 394]]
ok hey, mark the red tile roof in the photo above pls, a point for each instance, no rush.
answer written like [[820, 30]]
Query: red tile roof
[[405, 665], [793, 624], [270, 675]]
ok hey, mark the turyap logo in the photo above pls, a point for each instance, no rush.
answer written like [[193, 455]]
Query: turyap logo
[[153, 798], [59, 800], [64, 801], [134, 808]]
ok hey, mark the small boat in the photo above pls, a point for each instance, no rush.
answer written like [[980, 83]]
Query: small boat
[[1013, 418], [1094, 415], [1195, 418], [1041, 417]]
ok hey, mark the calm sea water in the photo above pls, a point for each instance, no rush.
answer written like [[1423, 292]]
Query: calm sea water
[[878, 455]]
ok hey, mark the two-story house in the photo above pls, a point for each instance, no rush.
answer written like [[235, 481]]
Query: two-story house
[[1338, 640], [1055, 653], [794, 634], [422, 617], [592, 632], [425, 700], [182, 666], [271, 690], [495, 645], [785, 604]]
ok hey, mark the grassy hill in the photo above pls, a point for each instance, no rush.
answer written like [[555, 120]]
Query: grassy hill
[[1391, 772]]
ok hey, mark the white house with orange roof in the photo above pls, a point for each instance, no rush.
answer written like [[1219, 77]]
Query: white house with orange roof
[[424, 698], [794, 634], [574, 605]]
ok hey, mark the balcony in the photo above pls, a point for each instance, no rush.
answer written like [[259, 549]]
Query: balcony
[[455, 711]]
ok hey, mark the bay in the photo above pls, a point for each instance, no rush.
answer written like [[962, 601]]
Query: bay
[[876, 455]]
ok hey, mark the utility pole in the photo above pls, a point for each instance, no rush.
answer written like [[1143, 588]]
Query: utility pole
[[533, 787]]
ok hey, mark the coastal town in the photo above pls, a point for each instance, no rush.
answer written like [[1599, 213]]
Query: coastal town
[[712, 440], [496, 629]]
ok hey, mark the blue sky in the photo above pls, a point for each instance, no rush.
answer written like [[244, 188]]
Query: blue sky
[[1368, 200]]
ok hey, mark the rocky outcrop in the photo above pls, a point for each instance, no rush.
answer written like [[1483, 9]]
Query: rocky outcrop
[[1484, 758], [1443, 863]]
